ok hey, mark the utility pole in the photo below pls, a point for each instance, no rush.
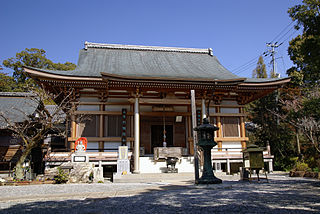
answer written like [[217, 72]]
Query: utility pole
[[272, 52]]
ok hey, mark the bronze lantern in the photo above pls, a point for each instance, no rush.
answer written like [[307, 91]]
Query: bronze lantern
[[206, 143]]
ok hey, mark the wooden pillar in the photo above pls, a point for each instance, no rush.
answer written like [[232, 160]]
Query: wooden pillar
[[73, 128], [195, 138], [228, 166], [189, 131], [219, 132], [190, 139], [67, 131], [203, 108], [186, 134], [136, 152], [242, 129], [101, 128], [131, 126]]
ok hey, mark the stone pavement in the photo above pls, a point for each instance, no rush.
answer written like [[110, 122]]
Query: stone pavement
[[175, 194]]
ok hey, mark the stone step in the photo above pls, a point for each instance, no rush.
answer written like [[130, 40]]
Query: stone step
[[148, 165], [152, 177]]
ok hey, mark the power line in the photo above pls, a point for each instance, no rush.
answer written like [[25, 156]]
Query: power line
[[286, 33], [289, 36], [246, 65], [245, 68], [273, 45], [282, 32]]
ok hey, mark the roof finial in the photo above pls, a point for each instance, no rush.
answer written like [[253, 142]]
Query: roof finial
[[86, 45], [210, 51]]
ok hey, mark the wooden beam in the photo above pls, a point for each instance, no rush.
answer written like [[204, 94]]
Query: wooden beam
[[226, 106], [151, 101], [103, 103], [231, 139], [228, 115], [105, 139], [102, 113], [167, 114]]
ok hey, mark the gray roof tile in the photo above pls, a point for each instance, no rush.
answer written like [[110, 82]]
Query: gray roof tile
[[150, 61], [16, 106], [147, 61]]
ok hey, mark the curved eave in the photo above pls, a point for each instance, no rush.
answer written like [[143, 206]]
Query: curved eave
[[116, 77], [37, 73], [278, 83]]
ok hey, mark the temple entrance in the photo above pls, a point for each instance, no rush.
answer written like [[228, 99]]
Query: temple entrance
[[152, 133], [157, 136]]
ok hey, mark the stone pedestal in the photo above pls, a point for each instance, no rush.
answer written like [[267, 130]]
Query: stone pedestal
[[80, 172], [79, 157], [123, 164]]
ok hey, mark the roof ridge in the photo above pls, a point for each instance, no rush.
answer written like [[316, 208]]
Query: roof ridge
[[146, 48]]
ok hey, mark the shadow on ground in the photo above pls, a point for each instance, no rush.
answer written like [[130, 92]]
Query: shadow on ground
[[277, 196]]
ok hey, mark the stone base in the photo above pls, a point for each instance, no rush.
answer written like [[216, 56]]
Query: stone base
[[171, 170], [213, 180], [81, 173], [78, 172]]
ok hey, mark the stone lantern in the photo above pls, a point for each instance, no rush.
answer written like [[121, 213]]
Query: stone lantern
[[206, 143]]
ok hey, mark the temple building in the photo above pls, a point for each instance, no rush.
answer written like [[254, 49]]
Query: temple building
[[139, 96]]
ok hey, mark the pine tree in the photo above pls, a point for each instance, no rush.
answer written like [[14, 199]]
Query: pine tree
[[32, 57]]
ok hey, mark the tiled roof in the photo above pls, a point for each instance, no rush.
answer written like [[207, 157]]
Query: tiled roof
[[136, 61], [257, 80], [147, 61], [16, 106]]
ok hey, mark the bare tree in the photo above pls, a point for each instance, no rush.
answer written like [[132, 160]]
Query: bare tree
[[36, 127], [302, 113], [311, 129]]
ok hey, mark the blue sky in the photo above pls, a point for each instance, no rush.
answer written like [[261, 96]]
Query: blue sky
[[237, 31]]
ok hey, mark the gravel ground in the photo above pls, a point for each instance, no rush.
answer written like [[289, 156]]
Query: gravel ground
[[281, 195]]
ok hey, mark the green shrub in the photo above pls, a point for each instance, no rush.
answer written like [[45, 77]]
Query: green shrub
[[91, 176], [286, 164], [100, 182], [302, 166], [62, 177]]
